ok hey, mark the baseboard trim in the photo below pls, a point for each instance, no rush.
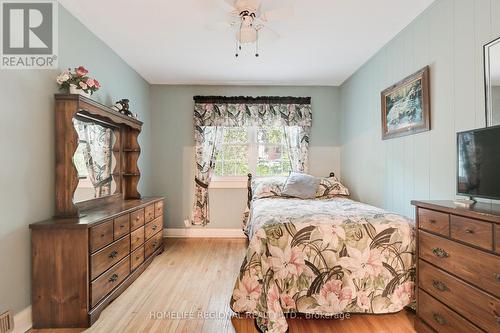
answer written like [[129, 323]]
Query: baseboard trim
[[203, 233], [22, 321]]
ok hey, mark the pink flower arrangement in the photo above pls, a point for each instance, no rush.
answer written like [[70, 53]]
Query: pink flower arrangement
[[81, 71], [78, 78]]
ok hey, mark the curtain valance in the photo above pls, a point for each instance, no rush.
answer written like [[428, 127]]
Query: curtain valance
[[251, 100], [256, 111]]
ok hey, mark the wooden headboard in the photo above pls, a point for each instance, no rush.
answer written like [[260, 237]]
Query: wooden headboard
[[249, 187]]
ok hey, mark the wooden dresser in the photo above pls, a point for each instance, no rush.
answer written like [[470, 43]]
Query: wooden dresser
[[80, 265], [458, 268]]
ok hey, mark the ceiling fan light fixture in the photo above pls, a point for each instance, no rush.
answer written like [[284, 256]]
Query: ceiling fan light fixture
[[246, 35], [252, 19]]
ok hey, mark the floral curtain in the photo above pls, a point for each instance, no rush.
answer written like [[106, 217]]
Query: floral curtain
[[213, 112], [208, 139], [297, 139]]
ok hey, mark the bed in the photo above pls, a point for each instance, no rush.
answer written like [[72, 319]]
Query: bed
[[325, 257]]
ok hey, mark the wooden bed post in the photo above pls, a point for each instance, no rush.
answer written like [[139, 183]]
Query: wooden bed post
[[249, 189]]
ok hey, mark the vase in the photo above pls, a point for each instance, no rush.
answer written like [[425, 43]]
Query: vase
[[73, 89]]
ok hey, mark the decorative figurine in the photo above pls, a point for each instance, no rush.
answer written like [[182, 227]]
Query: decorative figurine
[[122, 107]]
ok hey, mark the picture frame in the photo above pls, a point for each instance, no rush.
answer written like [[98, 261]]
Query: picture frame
[[405, 106]]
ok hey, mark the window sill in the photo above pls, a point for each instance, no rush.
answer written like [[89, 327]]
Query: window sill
[[227, 184]]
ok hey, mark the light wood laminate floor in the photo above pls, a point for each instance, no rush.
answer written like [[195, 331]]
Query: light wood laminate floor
[[193, 280]]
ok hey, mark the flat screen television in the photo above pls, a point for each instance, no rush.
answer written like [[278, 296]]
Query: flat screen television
[[478, 168]]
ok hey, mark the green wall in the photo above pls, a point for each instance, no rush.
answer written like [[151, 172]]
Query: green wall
[[27, 137], [173, 142], [448, 37], [495, 100]]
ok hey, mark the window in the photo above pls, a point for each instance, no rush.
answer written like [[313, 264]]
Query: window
[[273, 156], [262, 151], [232, 158]]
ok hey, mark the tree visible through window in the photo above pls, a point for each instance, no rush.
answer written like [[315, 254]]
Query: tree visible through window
[[262, 151]]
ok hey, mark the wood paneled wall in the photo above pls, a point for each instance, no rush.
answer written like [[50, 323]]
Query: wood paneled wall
[[449, 37]]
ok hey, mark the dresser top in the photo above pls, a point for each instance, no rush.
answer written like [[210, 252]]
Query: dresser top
[[481, 210], [96, 215]]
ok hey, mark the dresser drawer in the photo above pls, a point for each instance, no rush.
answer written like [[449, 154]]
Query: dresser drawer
[[101, 235], [136, 238], [480, 308], [109, 280], [158, 208], [153, 227], [497, 238], [440, 317], [149, 213], [433, 221], [474, 266], [137, 219], [136, 258], [471, 231], [107, 257], [122, 226], [153, 244], [422, 327]]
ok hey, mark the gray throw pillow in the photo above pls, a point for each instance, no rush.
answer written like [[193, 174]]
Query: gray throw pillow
[[301, 185]]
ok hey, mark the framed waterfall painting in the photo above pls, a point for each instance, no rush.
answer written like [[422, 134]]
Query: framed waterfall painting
[[406, 106]]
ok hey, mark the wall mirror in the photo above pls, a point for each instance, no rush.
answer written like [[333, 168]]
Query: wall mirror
[[94, 159], [492, 82]]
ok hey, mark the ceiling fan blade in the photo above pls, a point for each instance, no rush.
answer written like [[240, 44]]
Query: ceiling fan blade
[[253, 4], [267, 34], [227, 5], [218, 26], [278, 14]]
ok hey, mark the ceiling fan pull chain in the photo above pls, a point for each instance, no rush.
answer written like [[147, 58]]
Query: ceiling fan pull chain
[[238, 42], [257, 43]]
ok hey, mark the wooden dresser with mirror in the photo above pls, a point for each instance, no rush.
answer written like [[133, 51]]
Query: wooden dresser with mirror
[[104, 234]]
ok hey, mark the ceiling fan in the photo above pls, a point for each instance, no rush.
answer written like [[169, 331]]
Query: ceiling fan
[[249, 19]]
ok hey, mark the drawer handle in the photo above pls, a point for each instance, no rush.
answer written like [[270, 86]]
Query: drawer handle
[[438, 318], [122, 226], [137, 258], [497, 277], [469, 231], [439, 252], [113, 278], [440, 285], [155, 244], [113, 254], [154, 227], [102, 235], [432, 221], [497, 318]]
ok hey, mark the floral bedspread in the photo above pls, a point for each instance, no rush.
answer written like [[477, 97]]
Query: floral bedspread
[[323, 257]]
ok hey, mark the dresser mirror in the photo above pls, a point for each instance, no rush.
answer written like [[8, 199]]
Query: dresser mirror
[[94, 159], [492, 82]]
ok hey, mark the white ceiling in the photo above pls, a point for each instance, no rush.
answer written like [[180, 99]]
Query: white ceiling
[[168, 42]]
